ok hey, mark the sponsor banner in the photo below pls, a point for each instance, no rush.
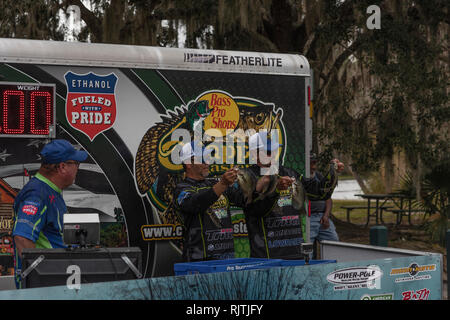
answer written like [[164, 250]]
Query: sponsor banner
[[413, 272], [293, 283], [386, 279]]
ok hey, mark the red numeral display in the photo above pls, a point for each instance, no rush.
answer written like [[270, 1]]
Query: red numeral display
[[26, 109], [48, 111], [7, 97]]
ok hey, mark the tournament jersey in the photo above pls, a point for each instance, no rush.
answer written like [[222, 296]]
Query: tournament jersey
[[275, 232], [208, 231], [315, 186], [39, 209]]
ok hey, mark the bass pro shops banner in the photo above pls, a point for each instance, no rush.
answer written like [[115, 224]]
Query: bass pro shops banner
[[126, 118]]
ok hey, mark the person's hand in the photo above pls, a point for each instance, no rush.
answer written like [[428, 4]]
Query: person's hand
[[325, 222], [338, 165], [226, 180], [285, 182], [229, 177]]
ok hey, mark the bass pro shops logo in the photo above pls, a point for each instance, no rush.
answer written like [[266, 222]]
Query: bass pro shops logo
[[90, 104]]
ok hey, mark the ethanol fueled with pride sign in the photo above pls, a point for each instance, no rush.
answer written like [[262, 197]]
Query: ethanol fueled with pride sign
[[90, 103]]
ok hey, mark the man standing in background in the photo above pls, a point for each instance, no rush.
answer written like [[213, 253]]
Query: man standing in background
[[321, 226]]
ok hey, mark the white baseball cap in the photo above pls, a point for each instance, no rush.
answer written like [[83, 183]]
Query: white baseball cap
[[194, 149], [261, 140]]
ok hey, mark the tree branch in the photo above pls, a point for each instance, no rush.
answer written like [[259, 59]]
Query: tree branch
[[93, 23]]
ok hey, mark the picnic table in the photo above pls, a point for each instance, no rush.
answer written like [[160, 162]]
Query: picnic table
[[404, 204], [402, 201]]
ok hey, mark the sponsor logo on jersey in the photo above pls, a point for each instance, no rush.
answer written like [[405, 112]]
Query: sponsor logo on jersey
[[29, 209]]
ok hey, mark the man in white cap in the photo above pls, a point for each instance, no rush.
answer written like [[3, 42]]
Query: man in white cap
[[203, 204], [277, 233], [39, 207]]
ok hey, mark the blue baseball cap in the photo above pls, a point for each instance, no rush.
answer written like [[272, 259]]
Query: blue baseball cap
[[61, 150]]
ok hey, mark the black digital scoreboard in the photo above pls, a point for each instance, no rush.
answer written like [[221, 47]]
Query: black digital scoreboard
[[27, 110]]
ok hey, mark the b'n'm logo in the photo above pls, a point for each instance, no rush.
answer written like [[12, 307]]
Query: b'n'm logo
[[90, 103]]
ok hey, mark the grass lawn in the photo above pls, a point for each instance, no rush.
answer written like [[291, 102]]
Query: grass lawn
[[414, 236]]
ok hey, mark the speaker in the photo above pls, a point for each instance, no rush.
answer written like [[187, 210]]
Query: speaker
[[56, 267]]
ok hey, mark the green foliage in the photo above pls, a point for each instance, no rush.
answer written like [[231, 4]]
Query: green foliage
[[36, 19], [406, 105], [113, 236], [375, 183], [434, 197], [407, 186]]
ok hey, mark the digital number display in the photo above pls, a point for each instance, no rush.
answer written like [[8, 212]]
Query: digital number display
[[27, 110]]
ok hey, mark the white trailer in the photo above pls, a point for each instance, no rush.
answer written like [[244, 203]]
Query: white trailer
[[120, 102]]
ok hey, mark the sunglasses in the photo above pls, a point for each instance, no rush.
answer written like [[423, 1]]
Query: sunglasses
[[73, 162]]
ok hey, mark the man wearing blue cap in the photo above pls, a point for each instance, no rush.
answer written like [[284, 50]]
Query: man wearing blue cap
[[39, 207], [275, 233]]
